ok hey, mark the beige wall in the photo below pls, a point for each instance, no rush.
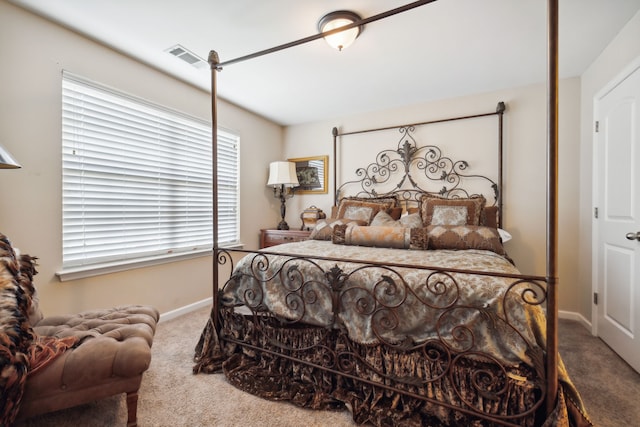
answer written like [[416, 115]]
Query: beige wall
[[623, 50], [34, 53], [525, 169]]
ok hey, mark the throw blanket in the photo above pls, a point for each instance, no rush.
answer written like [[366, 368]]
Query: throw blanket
[[21, 351], [15, 333]]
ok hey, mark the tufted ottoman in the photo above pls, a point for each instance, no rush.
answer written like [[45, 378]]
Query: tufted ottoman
[[113, 351]]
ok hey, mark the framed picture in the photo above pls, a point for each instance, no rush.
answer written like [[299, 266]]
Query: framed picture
[[312, 174]]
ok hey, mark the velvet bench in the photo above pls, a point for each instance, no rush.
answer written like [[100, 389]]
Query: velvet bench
[[113, 351]]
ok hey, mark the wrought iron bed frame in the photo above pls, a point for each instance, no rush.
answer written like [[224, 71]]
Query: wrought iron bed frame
[[408, 172], [550, 363], [427, 160]]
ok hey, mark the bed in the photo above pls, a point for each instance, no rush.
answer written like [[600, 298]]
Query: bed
[[403, 306]]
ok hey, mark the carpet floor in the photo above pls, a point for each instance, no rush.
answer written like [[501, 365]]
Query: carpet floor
[[172, 396]]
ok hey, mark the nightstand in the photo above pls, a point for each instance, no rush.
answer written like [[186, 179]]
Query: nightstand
[[277, 237]]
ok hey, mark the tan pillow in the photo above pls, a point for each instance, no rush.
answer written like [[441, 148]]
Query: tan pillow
[[383, 219], [324, 227], [395, 213], [381, 237], [361, 210], [459, 237], [440, 211]]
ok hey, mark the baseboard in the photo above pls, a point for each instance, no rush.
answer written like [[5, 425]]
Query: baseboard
[[207, 302], [571, 315]]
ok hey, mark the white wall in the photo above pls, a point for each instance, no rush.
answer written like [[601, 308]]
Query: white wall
[[525, 169], [34, 53], [624, 49]]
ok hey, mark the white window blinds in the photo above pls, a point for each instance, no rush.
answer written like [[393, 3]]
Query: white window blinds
[[137, 178]]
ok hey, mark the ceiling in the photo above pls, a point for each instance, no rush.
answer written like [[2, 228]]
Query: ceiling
[[440, 50]]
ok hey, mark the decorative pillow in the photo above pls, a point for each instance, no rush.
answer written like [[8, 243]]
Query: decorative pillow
[[440, 211], [383, 219], [362, 210], [382, 237], [392, 199], [465, 237], [395, 211], [489, 216], [505, 236], [324, 227]]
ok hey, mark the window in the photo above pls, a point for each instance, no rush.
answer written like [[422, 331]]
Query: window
[[137, 179]]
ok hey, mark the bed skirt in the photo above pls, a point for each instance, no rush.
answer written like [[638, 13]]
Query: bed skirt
[[320, 368]]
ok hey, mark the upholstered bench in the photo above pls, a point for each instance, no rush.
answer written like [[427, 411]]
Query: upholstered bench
[[112, 352], [53, 363]]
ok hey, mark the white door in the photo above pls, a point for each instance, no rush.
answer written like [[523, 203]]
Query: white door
[[618, 211]]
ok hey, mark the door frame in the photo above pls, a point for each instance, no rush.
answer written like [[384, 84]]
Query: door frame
[[632, 67]]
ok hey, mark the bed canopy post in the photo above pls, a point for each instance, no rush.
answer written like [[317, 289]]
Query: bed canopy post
[[500, 112], [552, 182], [334, 132], [552, 207], [214, 62]]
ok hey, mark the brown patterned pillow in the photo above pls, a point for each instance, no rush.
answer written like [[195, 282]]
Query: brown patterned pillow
[[489, 216], [362, 210], [379, 199], [381, 237], [440, 211], [465, 237], [395, 213], [324, 227]]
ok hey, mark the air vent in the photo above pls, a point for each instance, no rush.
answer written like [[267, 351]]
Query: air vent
[[187, 56]]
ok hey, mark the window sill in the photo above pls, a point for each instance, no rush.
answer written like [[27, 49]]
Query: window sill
[[107, 268]]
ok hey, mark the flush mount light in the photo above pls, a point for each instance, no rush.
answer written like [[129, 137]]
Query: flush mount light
[[340, 39]]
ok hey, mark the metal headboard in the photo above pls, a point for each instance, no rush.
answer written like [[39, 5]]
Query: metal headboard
[[409, 171]]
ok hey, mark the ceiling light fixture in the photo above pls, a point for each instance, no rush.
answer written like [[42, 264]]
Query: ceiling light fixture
[[338, 19]]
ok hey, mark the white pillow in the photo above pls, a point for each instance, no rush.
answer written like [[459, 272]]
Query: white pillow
[[504, 235]]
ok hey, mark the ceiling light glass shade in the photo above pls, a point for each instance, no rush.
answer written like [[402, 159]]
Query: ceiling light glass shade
[[6, 160], [282, 173], [333, 20]]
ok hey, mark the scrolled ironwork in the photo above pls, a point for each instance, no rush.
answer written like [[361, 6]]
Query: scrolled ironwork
[[410, 171], [451, 353]]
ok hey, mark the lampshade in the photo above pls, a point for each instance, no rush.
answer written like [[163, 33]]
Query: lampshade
[[338, 19], [282, 173], [6, 160]]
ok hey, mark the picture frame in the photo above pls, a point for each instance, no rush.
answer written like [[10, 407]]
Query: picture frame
[[312, 174]]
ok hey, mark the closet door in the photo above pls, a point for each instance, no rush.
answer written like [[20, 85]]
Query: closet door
[[618, 223]]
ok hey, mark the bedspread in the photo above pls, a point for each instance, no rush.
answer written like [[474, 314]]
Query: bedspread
[[396, 305]]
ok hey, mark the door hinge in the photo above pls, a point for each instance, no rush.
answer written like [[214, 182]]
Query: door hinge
[[595, 212], [595, 298], [597, 126]]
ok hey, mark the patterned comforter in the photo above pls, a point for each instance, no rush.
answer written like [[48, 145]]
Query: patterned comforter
[[398, 305]]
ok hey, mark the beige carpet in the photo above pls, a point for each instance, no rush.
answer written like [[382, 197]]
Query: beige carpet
[[172, 396]]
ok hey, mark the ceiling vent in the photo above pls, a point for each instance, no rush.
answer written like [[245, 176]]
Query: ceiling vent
[[187, 56]]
